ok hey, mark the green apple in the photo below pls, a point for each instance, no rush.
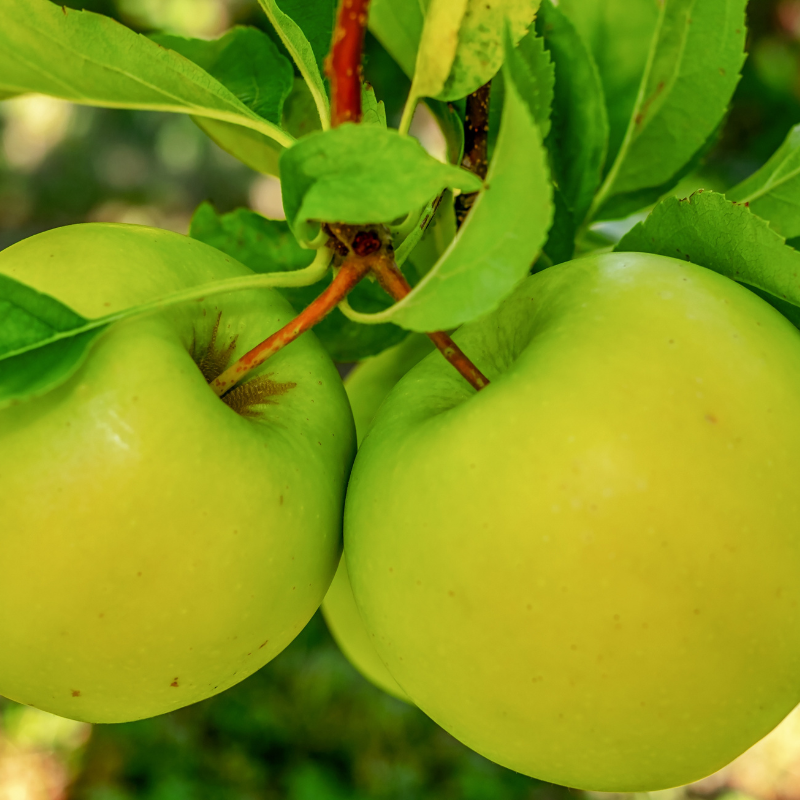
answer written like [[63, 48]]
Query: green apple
[[588, 571], [367, 387], [158, 544]]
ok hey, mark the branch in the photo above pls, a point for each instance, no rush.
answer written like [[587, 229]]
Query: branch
[[352, 271], [476, 138], [343, 64], [394, 283]]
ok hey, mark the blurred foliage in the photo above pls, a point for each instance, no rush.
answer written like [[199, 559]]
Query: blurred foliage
[[307, 726]]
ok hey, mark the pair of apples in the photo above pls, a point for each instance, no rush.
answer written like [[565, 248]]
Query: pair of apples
[[587, 571]]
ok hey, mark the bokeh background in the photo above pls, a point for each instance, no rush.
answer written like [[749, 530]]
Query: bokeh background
[[307, 726]]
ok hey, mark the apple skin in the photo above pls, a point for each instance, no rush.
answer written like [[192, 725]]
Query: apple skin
[[157, 547], [588, 572], [367, 387]]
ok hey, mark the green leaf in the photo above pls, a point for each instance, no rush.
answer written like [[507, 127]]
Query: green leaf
[[397, 25], [695, 61], [560, 245], [267, 245], [300, 115], [316, 19], [373, 112], [623, 205], [579, 138], [34, 354], [618, 34], [90, 59], [461, 46], [773, 192], [503, 233], [437, 237], [534, 75], [360, 174], [451, 126], [301, 50], [256, 151], [709, 230], [246, 61], [250, 147]]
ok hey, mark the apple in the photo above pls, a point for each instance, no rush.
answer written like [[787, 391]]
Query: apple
[[159, 544], [367, 386], [588, 571]]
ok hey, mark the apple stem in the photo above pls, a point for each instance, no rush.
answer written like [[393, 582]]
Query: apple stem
[[350, 273], [343, 64], [476, 144], [395, 284]]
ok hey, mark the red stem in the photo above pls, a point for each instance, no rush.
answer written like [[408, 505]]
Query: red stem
[[394, 283], [343, 65], [351, 272]]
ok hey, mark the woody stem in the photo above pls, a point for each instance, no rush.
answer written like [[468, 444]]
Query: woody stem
[[343, 65], [394, 283], [351, 272]]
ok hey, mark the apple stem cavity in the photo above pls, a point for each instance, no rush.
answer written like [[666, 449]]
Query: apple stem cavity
[[476, 145], [350, 273], [343, 64]]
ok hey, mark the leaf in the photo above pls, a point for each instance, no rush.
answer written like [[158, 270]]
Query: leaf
[[361, 174], [534, 75], [451, 126], [499, 241], [34, 356], [316, 19], [397, 25], [579, 139], [300, 115], [480, 52], [461, 46], [560, 245], [773, 192], [90, 59], [302, 52], [695, 61], [250, 147], [618, 34], [436, 239], [267, 245], [709, 230], [373, 111], [437, 47], [623, 205], [244, 60]]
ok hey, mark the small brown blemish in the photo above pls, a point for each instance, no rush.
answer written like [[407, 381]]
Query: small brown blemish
[[451, 593], [261, 645], [712, 419], [76, 693], [280, 500], [175, 683], [138, 574]]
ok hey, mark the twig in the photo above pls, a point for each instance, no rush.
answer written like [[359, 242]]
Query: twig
[[476, 138], [343, 64], [394, 283], [351, 272]]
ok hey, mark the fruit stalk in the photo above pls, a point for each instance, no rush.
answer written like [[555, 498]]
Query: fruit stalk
[[394, 283], [351, 272], [476, 138], [343, 64]]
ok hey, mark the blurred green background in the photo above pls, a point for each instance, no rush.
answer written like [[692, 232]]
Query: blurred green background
[[307, 726]]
